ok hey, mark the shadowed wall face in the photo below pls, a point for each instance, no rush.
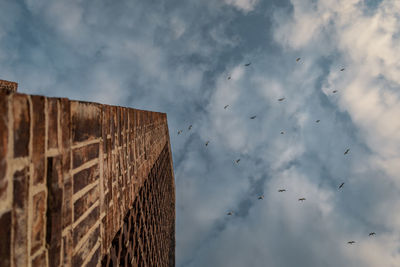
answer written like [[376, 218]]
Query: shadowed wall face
[[73, 173]]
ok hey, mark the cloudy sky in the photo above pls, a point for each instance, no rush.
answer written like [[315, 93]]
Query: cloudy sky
[[176, 56]]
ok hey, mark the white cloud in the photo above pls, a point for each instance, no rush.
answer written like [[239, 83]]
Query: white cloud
[[244, 5]]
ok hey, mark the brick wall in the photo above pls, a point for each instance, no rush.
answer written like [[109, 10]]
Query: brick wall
[[72, 172]]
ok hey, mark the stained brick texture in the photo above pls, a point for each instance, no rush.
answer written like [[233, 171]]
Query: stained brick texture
[[84, 184]]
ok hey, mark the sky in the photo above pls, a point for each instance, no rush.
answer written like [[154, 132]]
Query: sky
[[176, 56]]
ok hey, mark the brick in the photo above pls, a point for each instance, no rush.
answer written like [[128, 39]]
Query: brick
[[95, 258], [52, 130], [83, 227], [8, 87], [5, 233], [54, 206], [21, 125], [38, 136], [86, 248], [38, 221], [20, 215], [39, 260], [3, 144], [85, 202], [85, 177], [86, 121], [84, 154], [67, 202]]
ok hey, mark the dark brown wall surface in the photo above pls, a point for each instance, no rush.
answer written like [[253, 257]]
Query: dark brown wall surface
[[84, 184]]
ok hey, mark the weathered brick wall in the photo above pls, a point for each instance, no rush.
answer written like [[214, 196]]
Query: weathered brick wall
[[71, 173]]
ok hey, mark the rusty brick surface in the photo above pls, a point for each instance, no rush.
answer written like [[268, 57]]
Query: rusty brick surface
[[85, 177], [86, 121], [21, 125], [85, 202], [38, 135], [5, 233], [52, 128], [20, 211], [38, 225], [83, 154], [8, 86], [54, 206]]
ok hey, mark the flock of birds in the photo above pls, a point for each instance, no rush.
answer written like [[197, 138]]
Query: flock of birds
[[261, 197]]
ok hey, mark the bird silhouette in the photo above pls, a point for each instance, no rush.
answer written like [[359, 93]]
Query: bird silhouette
[[226, 106], [372, 233], [351, 242], [230, 213], [282, 190], [237, 161], [334, 91], [297, 59], [229, 77], [341, 185], [317, 121], [248, 64], [207, 143], [302, 199], [190, 127], [282, 132], [261, 197], [179, 132], [252, 117], [342, 69], [281, 99], [347, 151]]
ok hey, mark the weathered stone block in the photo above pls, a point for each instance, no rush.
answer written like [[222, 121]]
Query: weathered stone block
[[5, 233], [40, 260], [20, 217], [83, 227], [86, 248], [85, 202], [38, 137], [21, 125], [86, 121], [52, 130], [38, 221], [8, 87], [85, 177], [83, 154]]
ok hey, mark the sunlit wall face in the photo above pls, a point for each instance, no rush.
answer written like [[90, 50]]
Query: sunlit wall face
[[177, 57]]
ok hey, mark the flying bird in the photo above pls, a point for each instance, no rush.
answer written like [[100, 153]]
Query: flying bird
[[252, 117], [230, 213], [317, 121], [261, 197], [237, 161], [347, 151], [297, 59], [341, 185], [207, 143], [371, 234], [282, 190], [226, 106], [190, 127], [351, 242], [229, 77], [302, 199], [282, 132], [342, 69], [334, 91], [180, 131], [248, 64], [281, 99]]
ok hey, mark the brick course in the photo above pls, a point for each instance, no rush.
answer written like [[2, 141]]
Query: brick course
[[79, 178]]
